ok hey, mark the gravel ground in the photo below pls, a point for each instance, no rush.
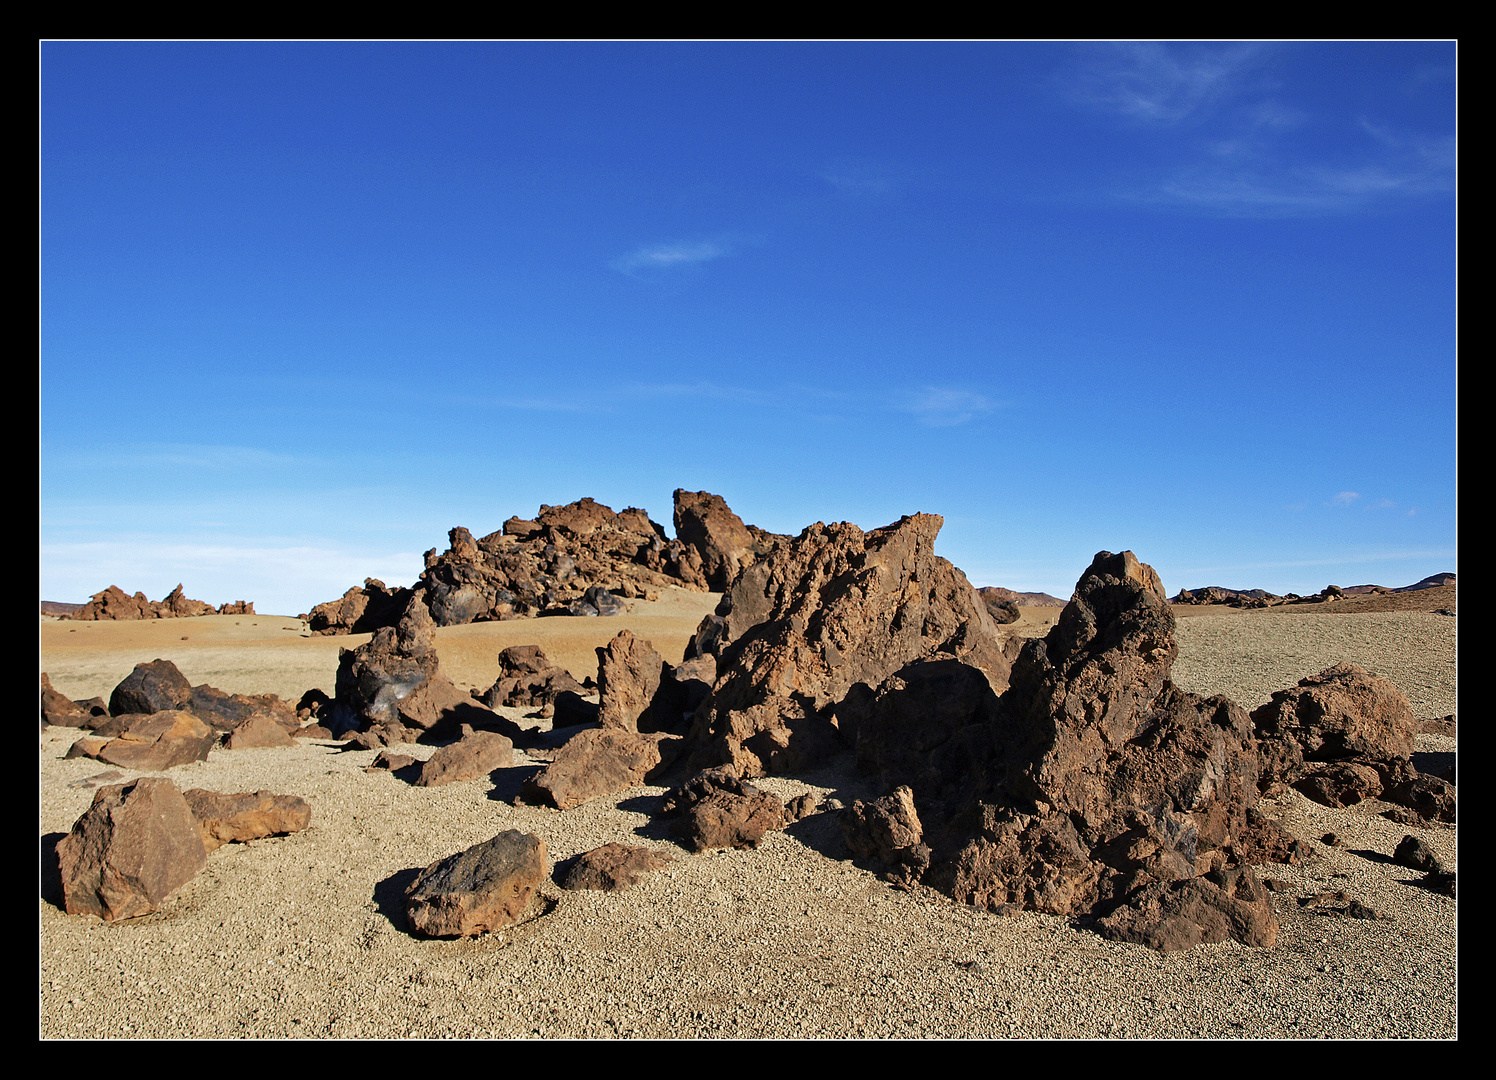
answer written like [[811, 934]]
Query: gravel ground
[[302, 936]]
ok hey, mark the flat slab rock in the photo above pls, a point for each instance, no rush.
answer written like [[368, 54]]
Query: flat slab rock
[[479, 890], [247, 815]]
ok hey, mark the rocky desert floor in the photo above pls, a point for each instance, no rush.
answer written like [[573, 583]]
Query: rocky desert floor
[[303, 936]]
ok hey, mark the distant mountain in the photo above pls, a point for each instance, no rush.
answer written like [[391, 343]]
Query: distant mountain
[[57, 607], [1022, 599]]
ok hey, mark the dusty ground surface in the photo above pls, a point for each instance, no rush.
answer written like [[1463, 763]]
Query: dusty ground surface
[[304, 936]]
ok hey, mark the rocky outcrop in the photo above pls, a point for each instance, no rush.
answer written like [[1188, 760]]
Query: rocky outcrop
[[612, 868], [150, 688], [1092, 786], [244, 816], [479, 890], [57, 709], [135, 846], [115, 603], [577, 559], [834, 608], [629, 672]]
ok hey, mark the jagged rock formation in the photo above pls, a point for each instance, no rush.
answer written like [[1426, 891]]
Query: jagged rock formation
[[1093, 786], [816, 617], [577, 559], [115, 603], [528, 679]]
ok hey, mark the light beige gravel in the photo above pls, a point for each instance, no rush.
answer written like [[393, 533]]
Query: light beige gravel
[[300, 937]]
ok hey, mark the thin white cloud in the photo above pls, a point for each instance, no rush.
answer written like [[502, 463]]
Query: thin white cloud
[[945, 407], [671, 256], [860, 180], [1158, 83], [1344, 498]]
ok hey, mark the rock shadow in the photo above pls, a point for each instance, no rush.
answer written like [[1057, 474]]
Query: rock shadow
[[389, 896], [51, 870]]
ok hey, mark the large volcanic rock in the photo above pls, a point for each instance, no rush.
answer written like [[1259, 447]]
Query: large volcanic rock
[[115, 603], [723, 542], [137, 844], [1094, 785], [601, 761], [155, 742], [834, 608], [527, 678], [227, 818], [150, 688], [395, 681], [359, 610], [479, 890]]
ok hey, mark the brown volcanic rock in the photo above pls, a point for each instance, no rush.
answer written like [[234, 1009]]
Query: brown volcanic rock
[[260, 730], [629, 672], [60, 710], [1092, 778], [527, 678], [160, 741], [612, 868], [601, 761], [135, 846], [235, 818], [177, 605], [114, 603], [831, 609], [719, 536], [1227, 905], [887, 831], [1343, 713], [475, 755], [717, 809], [359, 610], [150, 688], [479, 890]]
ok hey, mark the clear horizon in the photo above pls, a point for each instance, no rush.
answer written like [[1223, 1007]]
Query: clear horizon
[[306, 306]]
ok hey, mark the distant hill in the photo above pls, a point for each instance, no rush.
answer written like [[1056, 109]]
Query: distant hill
[[1022, 599], [57, 607]]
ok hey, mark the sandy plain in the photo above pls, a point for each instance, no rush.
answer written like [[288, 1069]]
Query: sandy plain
[[303, 936]]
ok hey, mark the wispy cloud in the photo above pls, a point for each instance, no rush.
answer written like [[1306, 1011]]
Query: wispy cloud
[[1344, 498], [938, 406], [675, 255], [1159, 84], [860, 180]]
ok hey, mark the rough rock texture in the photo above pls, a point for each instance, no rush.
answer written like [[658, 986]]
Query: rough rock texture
[[475, 755], [1225, 905], [1344, 713], [580, 559], [1414, 853], [359, 610], [150, 688], [249, 815], [479, 890], [1091, 784], [600, 761], [612, 868], [527, 678], [716, 809], [115, 603], [260, 730], [1002, 608], [628, 678], [834, 608], [160, 741], [887, 832], [395, 681], [135, 846], [60, 710]]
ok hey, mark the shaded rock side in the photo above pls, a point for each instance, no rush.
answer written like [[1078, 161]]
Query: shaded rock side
[[150, 688], [612, 868], [527, 678], [360, 610], [834, 608], [1092, 778], [479, 890], [249, 815], [160, 741], [135, 846]]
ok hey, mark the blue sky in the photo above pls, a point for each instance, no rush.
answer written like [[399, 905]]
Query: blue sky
[[304, 307]]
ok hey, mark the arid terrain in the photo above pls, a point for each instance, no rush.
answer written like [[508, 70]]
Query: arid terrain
[[304, 936]]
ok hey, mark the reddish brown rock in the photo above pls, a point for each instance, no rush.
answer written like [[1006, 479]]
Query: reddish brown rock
[[137, 844], [479, 890], [717, 809], [160, 741], [61, 711], [1341, 784], [834, 608], [1343, 713], [719, 536], [612, 868], [527, 678], [87, 746], [601, 761], [359, 610], [888, 833], [628, 677], [1226, 905], [475, 755], [260, 730], [151, 688], [236, 818]]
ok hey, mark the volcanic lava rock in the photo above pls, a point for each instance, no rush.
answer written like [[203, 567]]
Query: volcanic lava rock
[[248, 815], [479, 890], [475, 755], [359, 610], [888, 832], [601, 761], [160, 741], [135, 846], [817, 616], [612, 868], [527, 678], [151, 688], [717, 809]]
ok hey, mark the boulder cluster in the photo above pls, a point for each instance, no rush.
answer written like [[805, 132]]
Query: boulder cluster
[[1065, 774], [577, 559], [115, 603]]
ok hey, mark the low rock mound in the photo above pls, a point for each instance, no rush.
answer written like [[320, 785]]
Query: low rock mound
[[115, 603]]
